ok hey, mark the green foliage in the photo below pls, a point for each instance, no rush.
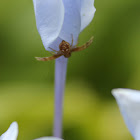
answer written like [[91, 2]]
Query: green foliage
[[85, 115]]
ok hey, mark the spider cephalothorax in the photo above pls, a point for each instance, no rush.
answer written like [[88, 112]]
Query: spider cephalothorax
[[65, 49]]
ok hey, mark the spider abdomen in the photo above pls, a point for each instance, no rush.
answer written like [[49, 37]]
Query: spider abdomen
[[65, 49]]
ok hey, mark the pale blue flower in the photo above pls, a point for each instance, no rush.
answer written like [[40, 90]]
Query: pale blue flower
[[58, 20], [11, 133], [48, 138], [129, 104]]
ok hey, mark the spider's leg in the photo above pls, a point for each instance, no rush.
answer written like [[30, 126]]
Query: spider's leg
[[72, 40], [53, 49], [49, 58], [87, 44], [75, 46], [77, 43], [52, 53]]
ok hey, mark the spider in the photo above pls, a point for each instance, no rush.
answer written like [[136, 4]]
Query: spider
[[65, 49]]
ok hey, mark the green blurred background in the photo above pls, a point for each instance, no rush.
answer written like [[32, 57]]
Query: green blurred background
[[27, 86]]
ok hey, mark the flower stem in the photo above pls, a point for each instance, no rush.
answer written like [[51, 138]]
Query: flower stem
[[60, 77]]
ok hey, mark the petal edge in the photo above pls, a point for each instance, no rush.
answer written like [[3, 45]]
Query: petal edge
[[87, 12], [11, 133], [129, 104], [49, 19], [48, 138]]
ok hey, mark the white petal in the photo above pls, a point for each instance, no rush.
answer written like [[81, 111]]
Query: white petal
[[138, 132], [49, 19], [129, 104], [11, 133], [48, 138], [87, 12], [72, 21]]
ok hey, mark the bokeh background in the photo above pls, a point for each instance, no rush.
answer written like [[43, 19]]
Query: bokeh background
[[27, 86]]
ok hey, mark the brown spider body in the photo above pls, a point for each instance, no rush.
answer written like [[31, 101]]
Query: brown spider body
[[65, 49]]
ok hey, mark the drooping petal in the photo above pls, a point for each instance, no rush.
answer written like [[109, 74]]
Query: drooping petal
[[129, 104], [137, 132], [72, 21], [48, 138], [87, 12], [49, 19], [11, 133]]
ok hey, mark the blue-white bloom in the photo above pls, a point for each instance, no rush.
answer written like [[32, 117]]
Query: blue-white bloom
[[49, 138], [58, 20], [11, 133], [129, 104]]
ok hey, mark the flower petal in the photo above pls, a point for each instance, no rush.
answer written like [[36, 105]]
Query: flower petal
[[48, 138], [87, 12], [49, 19], [11, 133], [72, 21], [129, 104], [137, 132]]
